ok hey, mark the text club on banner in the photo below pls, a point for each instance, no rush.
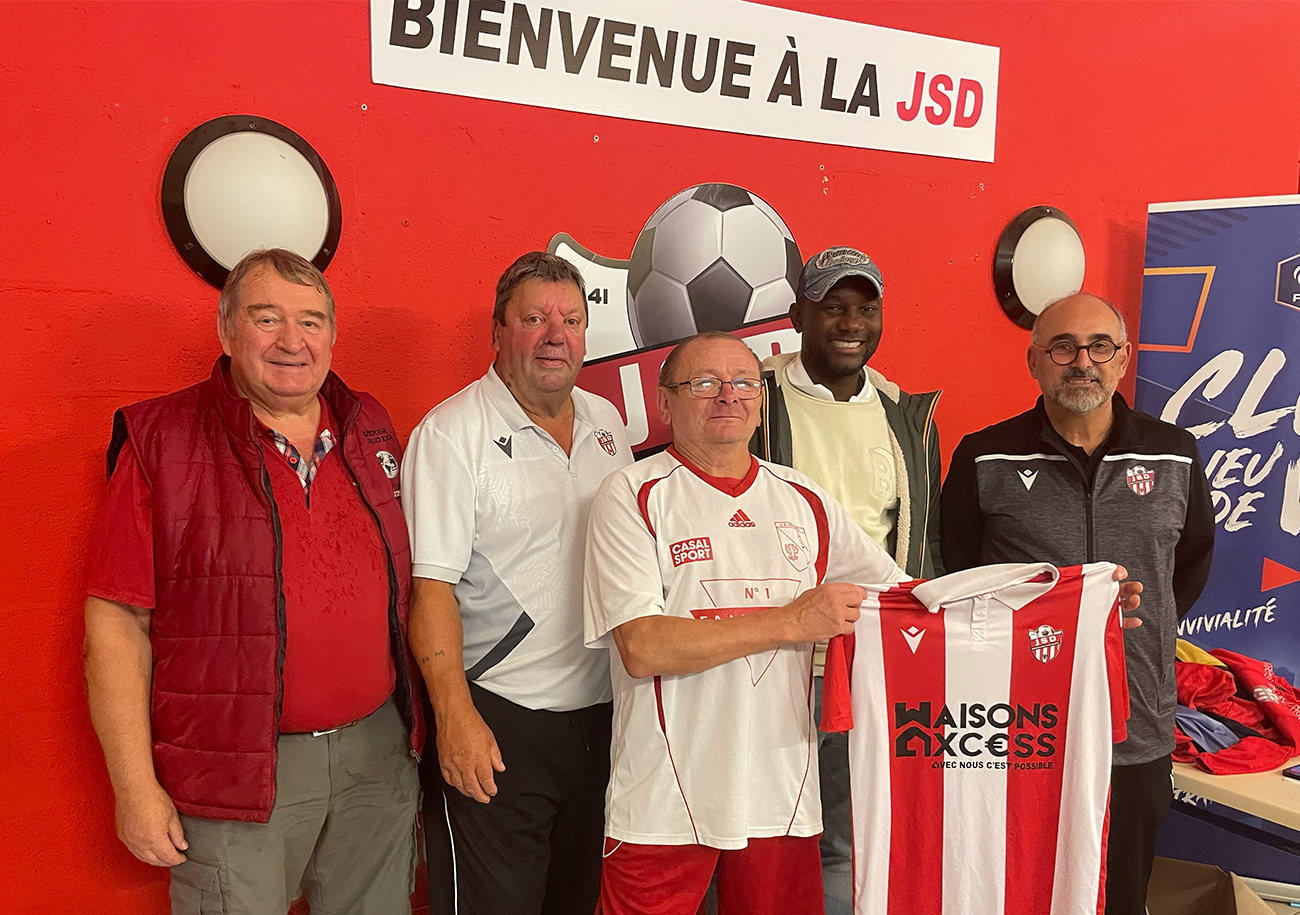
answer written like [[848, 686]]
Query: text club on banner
[[717, 64], [1219, 354]]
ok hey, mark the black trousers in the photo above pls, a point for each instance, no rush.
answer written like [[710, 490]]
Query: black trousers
[[535, 848], [1139, 800]]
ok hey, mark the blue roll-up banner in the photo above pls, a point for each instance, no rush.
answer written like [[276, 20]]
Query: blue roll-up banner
[[1219, 354]]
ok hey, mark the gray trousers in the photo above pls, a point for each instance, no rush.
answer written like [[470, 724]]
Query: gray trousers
[[342, 831], [837, 817]]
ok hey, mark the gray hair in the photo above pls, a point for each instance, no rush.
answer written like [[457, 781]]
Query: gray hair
[[289, 266], [1123, 329], [669, 367], [535, 265]]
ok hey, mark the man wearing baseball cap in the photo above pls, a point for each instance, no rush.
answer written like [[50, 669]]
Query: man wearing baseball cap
[[874, 447]]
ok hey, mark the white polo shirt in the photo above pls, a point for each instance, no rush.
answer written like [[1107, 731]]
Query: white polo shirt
[[496, 507]]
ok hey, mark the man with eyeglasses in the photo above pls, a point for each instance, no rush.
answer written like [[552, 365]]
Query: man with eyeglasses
[[1081, 477], [711, 574]]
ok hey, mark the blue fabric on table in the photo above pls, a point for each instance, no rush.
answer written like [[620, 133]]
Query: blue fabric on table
[[1209, 735]]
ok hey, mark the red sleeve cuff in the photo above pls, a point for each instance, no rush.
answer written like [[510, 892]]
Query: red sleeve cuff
[[837, 700]]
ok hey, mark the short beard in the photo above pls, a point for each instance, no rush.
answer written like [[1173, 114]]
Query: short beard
[[1079, 401]]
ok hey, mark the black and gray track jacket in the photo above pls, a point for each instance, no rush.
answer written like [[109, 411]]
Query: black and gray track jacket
[[1016, 493]]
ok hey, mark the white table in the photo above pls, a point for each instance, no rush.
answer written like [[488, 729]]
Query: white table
[[1269, 795]]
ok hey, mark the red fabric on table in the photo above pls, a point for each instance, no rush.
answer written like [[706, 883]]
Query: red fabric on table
[[1248, 691]]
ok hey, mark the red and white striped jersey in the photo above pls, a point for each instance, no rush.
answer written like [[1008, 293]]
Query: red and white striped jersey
[[982, 707]]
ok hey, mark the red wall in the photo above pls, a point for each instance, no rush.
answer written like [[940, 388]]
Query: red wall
[[1102, 108]]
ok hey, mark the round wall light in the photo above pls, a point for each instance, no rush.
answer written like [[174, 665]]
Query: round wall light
[[1039, 260], [241, 182]]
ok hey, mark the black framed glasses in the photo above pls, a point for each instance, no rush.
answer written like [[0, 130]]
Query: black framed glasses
[[708, 386], [1063, 352]]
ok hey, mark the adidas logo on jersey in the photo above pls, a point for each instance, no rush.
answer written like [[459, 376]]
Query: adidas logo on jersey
[[740, 519]]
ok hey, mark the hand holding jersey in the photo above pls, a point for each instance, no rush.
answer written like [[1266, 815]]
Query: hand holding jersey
[[826, 611], [663, 645], [1130, 597]]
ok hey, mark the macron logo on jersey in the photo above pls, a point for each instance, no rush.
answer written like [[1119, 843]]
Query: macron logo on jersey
[[740, 519], [1027, 477], [504, 444], [696, 549], [913, 637]]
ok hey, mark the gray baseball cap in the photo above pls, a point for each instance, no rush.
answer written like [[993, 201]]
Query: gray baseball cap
[[822, 271]]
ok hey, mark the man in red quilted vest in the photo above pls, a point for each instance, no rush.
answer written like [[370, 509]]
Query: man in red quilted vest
[[245, 650]]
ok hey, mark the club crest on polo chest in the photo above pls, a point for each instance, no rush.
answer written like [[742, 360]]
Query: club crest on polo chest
[[1139, 479], [1045, 642], [794, 545], [606, 439]]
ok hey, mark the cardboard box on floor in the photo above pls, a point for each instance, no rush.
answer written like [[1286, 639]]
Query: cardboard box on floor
[[1188, 888]]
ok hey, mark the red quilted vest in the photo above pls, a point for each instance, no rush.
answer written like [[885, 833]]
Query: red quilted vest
[[218, 622]]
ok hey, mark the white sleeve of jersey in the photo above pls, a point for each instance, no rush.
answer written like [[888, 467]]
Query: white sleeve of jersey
[[853, 556], [621, 578], [439, 493]]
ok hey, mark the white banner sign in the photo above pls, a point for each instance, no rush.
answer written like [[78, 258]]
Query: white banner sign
[[717, 64]]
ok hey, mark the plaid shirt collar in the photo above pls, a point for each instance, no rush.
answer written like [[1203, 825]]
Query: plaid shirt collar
[[306, 469]]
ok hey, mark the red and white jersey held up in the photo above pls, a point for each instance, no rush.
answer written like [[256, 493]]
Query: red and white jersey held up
[[983, 706]]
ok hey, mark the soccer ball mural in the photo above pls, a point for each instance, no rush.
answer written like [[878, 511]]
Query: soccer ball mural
[[713, 257]]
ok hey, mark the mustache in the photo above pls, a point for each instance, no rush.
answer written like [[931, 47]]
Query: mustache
[[1074, 372]]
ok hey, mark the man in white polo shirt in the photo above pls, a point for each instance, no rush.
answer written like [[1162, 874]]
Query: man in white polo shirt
[[708, 570], [498, 482]]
